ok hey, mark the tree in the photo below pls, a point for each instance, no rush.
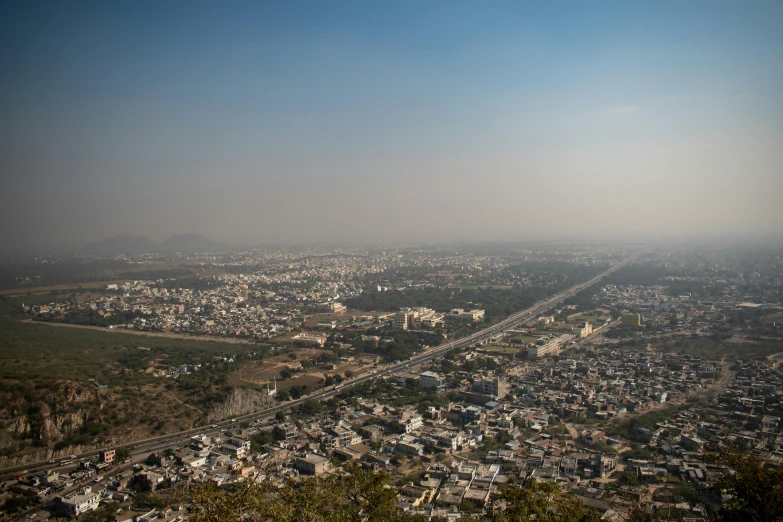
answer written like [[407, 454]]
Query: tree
[[122, 454], [542, 502], [354, 495], [756, 490], [280, 416]]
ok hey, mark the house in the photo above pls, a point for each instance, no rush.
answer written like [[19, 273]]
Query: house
[[75, 505], [431, 380], [312, 464]]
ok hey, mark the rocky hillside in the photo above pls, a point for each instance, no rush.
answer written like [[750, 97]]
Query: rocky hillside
[[43, 419], [49, 418], [240, 402]]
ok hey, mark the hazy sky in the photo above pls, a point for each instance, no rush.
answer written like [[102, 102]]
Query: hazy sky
[[371, 120]]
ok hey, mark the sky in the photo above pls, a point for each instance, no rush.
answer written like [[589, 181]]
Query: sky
[[389, 121]]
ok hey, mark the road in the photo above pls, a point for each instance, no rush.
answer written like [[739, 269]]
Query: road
[[177, 439]]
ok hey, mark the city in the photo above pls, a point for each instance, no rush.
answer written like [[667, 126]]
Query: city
[[617, 387], [391, 261]]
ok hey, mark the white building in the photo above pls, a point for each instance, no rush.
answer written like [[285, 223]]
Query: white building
[[470, 316], [430, 380], [75, 505]]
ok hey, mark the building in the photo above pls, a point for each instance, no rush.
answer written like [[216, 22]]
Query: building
[[240, 448], [462, 316], [107, 456], [583, 329], [75, 505], [243, 291], [411, 420], [431, 380], [341, 436], [403, 320], [304, 339], [330, 307], [285, 431], [419, 317], [631, 320], [548, 347], [495, 387], [312, 464]]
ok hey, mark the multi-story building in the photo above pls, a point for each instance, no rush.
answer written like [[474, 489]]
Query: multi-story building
[[431, 380], [632, 320], [470, 316], [285, 431], [419, 317], [75, 505], [107, 456], [312, 464], [495, 387], [304, 339]]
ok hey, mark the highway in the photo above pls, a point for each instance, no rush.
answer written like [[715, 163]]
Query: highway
[[177, 439]]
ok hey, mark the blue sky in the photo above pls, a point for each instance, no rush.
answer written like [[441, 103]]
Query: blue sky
[[252, 121]]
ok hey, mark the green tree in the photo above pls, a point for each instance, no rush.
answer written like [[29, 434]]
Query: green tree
[[542, 502], [356, 495], [756, 490]]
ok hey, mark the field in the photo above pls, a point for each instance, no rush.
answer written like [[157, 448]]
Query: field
[[38, 290], [95, 384], [525, 338], [711, 348], [31, 350], [259, 373]]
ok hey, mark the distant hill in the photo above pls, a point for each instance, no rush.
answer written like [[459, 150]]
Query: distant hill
[[190, 243], [143, 245], [123, 245]]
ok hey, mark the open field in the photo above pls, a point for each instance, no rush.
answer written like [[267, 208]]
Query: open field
[[59, 288], [38, 350], [259, 373], [525, 338], [712, 348], [201, 338]]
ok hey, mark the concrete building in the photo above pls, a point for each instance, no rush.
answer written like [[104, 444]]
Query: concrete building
[[431, 380], [583, 330], [304, 339], [462, 316], [496, 387], [312, 464], [285, 431], [75, 505], [419, 317], [107, 456], [330, 307], [631, 320]]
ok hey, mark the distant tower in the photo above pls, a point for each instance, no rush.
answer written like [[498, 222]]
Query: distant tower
[[243, 292]]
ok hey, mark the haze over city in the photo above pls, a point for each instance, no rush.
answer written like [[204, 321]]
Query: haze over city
[[397, 121]]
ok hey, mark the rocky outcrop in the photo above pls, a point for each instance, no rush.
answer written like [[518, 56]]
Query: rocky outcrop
[[53, 413], [241, 402]]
